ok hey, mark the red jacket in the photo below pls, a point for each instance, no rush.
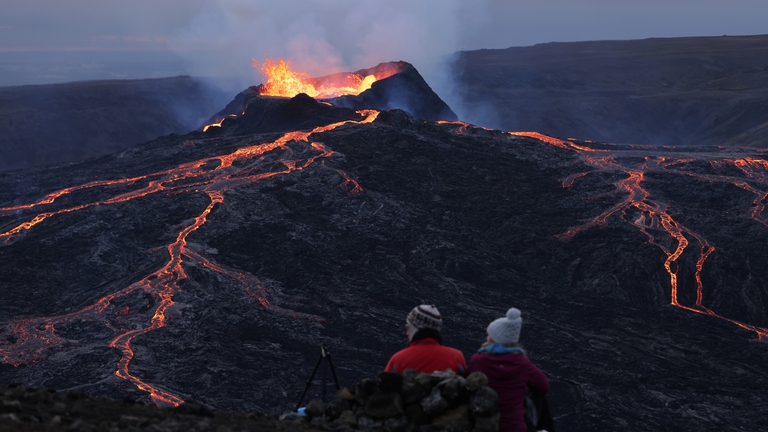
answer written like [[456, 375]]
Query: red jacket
[[427, 355], [512, 376]]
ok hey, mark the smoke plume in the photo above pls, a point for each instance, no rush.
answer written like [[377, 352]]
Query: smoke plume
[[323, 37]]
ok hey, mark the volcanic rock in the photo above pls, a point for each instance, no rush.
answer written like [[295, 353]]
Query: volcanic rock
[[484, 401], [209, 268], [708, 91], [69, 122], [405, 90]]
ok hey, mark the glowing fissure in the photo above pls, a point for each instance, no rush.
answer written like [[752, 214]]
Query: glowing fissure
[[654, 217], [29, 339]]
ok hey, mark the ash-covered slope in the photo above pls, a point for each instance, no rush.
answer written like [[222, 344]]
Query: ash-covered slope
[[69, 122], [209, 267]]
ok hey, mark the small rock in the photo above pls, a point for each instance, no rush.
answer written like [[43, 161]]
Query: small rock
[[382, 405], [442, 375], [315, 408], [409, 375], [335, 407], [76, 425], [484, 402], [10, 417], [347, 418], [59, 408], [413, 391], [364, 389], [367, 422], [458, 418], [450, 387], [425, 380], [345, 394], [10, 407], [390, 382], [434, 404], [397, 424], [475, 381]]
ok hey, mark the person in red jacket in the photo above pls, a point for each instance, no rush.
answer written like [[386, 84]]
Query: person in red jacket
[[425, 352], [509, 372]]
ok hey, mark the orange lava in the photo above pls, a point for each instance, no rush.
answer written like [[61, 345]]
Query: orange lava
[[654, 218], [284, 82], [35, 337]]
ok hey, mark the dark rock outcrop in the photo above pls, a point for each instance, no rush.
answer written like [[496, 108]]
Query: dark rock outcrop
[[703, 91], [69, 122], [447, 407], [405, 90]]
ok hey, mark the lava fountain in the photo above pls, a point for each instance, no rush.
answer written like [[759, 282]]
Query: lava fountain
[[282, 81]]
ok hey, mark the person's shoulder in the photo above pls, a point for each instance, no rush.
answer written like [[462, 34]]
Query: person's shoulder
[[479, 354], [452, 350], [402, 352]]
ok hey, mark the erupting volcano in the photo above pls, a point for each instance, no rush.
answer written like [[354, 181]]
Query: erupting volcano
[[284, 82], [208, 267]]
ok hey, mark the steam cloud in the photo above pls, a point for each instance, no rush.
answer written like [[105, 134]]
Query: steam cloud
[[323, 37]]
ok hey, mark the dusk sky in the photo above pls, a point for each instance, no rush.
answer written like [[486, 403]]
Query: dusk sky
[[44, 41]]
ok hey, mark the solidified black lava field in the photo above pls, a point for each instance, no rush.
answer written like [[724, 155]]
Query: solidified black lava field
[[210, 267]]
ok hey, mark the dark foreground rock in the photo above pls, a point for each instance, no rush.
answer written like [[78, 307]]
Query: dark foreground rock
[[44, 409], [394, 403], [411, 402]]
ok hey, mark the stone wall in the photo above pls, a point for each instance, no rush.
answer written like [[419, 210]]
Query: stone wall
[[441, 401]]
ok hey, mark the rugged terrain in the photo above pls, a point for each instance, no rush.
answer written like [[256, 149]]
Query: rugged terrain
[[57, 123], [677, 91], [209, 267]]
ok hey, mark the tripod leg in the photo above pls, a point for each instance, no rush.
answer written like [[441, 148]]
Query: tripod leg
[[333, 372], [322, 392], [309, 383]]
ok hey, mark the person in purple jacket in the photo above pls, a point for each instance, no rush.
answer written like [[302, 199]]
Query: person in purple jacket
[[509, 372]]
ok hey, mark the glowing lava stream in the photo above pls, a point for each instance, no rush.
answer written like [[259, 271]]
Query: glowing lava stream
[[34, 336], [653, 216]]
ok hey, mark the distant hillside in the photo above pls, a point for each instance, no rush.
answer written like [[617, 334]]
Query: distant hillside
[[48, 124], [701, 91]]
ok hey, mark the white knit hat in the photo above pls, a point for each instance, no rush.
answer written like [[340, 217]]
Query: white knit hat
[[506, 330]]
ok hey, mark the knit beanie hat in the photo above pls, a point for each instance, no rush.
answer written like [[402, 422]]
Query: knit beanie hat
[[506, 330], [425, 316]]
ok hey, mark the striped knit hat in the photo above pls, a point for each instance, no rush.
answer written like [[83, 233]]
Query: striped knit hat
[[425, 316]]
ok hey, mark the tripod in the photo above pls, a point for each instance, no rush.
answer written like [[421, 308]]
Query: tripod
[[325, 359]]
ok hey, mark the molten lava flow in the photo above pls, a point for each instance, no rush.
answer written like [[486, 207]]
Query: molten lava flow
[[650, 217], [29, 339], [284, 82], [653, 218]]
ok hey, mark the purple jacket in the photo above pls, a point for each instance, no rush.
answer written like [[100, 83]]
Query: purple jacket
[[512, 376]]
